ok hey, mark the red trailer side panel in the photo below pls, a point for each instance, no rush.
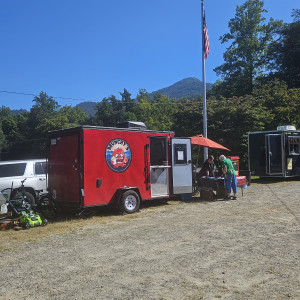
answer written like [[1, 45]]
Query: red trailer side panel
[[115, 159], [89, 166]]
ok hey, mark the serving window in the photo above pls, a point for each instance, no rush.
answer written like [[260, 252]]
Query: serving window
[[294, 145]]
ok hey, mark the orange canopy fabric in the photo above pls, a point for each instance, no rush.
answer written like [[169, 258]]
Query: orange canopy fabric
[[200, 140]]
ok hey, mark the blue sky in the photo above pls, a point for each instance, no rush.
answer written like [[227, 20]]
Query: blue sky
[[91, 49]]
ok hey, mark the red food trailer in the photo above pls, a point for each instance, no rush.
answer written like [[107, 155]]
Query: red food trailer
[[93, 166]]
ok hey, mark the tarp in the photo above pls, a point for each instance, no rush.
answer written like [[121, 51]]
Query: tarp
[[200, 140]]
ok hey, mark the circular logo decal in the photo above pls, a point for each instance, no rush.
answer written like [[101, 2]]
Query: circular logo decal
[[118, 155]]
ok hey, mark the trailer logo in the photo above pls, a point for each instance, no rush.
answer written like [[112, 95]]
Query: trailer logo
[[118, 155]]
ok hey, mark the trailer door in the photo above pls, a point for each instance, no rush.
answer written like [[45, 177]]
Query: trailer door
[[64, 170], [159, 168], [274, 154], [182, 166]]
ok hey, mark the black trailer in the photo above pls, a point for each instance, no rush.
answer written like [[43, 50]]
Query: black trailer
[[274, 153]]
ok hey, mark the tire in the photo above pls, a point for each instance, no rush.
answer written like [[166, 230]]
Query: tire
[[26, 225], [29, 196], [46, 207], [130, 202]]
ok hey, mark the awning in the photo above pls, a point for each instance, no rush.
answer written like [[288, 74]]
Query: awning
[[200, 140]]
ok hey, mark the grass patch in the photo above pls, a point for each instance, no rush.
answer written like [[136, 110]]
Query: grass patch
[[11, 239]]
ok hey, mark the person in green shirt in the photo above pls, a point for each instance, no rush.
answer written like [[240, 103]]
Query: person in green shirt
[[229, 176]]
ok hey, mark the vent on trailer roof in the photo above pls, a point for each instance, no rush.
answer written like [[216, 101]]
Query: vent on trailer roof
[[131, 124], [286, 127]]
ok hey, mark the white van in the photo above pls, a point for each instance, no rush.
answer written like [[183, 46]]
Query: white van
[[14, 171]]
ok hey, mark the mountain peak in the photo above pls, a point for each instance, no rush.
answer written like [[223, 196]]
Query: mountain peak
[[190, 87]]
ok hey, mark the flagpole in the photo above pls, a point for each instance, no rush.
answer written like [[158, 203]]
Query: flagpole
[[204, 82]]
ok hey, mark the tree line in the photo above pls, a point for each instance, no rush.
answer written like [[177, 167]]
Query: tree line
[[259, 90]]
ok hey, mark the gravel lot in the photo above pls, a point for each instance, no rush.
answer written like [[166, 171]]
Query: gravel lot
[[243, 249]]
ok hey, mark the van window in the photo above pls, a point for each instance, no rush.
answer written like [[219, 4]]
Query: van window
[[40, 168], [11, 170]]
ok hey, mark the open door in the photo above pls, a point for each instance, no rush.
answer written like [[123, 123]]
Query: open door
[[182, 166], [274, 154], [159, 166]]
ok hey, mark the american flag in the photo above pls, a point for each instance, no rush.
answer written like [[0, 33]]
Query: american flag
[[205, 38]]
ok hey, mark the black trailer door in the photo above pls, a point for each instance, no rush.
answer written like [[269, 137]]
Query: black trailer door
[[274, 154]]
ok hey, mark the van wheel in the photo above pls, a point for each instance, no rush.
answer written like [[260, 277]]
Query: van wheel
[[130, 202], [29, 196]]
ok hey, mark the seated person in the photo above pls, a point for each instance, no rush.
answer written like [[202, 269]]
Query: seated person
[[208, 168]]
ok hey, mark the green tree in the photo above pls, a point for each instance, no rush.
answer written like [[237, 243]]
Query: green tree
[[10, 127], [284, 53], [5, 111], [55, 123], [162, 112], [156, 113], [2, 140], [281, 104], [245, 58], [45, 107], [128, 102], [14, 127], [188, 117], [104, 112], [75, 115], [143, 108], [67, 116], [232, 119]]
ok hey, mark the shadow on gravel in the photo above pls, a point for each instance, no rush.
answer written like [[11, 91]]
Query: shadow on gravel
[[109, 211], [270, 180], [103, 211]]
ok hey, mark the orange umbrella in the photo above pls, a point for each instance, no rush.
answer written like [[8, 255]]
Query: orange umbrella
[[200, 140]]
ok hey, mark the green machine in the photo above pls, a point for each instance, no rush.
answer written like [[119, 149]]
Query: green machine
[[21, 208]]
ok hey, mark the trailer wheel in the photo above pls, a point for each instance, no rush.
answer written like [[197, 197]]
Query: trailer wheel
[[130, 202]]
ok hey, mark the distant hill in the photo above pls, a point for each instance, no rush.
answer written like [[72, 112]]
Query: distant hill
[[88, 107], [18, 111], [190, 87]]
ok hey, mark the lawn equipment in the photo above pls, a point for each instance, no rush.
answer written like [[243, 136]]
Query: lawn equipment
[[21, 208]]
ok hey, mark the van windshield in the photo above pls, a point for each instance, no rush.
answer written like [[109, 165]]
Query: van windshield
[[11, 170]]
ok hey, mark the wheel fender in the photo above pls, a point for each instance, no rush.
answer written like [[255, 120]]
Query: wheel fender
[[122, 190]]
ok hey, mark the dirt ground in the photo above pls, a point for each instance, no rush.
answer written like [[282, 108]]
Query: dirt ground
[[242, 249]]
